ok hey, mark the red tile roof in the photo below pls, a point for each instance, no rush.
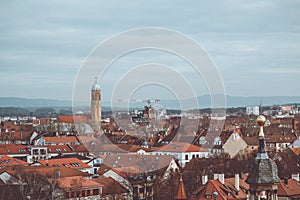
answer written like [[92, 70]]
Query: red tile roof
[[73, 119], [110, 186], [10, 149], [74, 163], [62, 139], [296, 151], [78, 182], [48, 171], [9, 161], [225, 191], [59, 149], [181, 147], [290, 190]]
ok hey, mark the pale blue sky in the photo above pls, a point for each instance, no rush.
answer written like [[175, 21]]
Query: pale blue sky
[[255, 44]]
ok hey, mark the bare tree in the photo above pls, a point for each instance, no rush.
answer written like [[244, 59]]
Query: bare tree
[[31, 185]]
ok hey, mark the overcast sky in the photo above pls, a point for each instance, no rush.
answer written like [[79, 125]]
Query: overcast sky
[[254, 44]]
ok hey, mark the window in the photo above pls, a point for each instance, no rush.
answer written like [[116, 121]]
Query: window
[[186, 157], [77, 193], [88, 192], [95, 191], [67, 194], [72, 194]]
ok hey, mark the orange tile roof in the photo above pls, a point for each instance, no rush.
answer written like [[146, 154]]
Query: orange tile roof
[[79, 148], [74, 163], [59, 149], [48, 171], [296, 151], [62, 139], [181, 147], [225, 192], [10, 149], [292, 189], [15, 135], [110, 186], [78, 182], [9, 161], [132, 147], [73, 119]]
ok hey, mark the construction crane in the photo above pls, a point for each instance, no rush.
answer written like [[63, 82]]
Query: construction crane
[[142, 116]]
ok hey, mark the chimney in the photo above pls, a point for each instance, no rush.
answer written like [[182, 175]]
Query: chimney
[[237, 182], [295, 176], [204, 179], [286, 181], [216, 176], [294, 124], [111, 124], [57, 174], [221, 178]]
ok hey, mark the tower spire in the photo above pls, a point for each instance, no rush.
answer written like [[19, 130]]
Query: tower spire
[[181, 194], [260, 108], [261, 120]]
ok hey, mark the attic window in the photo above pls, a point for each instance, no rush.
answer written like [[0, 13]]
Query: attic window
[[208, 196]]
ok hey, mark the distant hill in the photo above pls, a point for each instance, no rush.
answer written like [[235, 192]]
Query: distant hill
[[24, 102], [204, 102]]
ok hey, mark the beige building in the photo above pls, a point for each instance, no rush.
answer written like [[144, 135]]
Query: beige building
[[234, 144]]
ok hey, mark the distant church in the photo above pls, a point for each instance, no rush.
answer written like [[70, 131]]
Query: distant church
[[96, 106]]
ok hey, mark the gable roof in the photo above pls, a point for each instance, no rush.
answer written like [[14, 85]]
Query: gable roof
[[61, 139], [130, 164], [74, 163], [59, 149], [225, 191], [73, 119], [9, 161], [110, 186], [296, 151], [181, 147], [48, 171], [9, 149], [292, 189], [76, 182]]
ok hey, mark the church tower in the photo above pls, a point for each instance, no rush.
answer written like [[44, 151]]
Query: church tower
[[263, 173], [96, 106]]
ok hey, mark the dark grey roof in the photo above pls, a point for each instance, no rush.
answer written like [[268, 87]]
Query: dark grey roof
[[262, 172]]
